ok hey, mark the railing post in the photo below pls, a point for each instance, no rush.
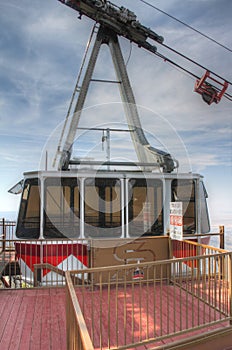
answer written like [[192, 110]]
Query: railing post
[[230, 286], [222, 237], [3, 235], [36, 283]]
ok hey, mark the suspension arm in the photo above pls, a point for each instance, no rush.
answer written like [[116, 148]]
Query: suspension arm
[[119, 19]]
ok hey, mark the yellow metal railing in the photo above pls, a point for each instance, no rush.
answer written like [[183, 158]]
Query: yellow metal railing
[[169, 300], [124, 306], [77, 333], [19, 257]]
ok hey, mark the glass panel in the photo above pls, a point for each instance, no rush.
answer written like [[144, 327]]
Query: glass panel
[[145, 207], [184, 191], [28, 225], [62, 208], [102, 207]]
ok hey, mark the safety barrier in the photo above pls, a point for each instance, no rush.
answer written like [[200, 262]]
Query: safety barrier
[[39, 262], [77, 333], [22, 262], [18, 257], [152, 303], [7, 234]]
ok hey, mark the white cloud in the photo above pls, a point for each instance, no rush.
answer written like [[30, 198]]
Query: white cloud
[[41, 50]]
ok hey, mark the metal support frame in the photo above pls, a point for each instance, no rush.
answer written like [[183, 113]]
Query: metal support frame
[[145, 152]]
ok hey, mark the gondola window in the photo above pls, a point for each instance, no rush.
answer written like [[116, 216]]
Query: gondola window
[[102, 207], [29, 213], [62, 208], [184, 191], [145, 207]]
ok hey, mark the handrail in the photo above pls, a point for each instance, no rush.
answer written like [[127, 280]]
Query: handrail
[[104, 269], [201, 291], [206, 246], [45, 266], [77, 332], [84, 253]]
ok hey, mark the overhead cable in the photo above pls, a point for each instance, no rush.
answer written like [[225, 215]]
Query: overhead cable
[[187, 25], [166, 59], [195, 62]]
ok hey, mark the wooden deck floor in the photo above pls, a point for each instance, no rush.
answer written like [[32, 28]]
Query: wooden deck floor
[[35, 318], [32, 319], [128, 317]]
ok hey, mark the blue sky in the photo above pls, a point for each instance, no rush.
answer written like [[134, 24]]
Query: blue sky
[[42, 44]]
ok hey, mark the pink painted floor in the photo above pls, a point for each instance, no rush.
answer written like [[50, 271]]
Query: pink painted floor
[[35, 318]]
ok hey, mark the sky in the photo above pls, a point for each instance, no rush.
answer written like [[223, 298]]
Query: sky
[[42, 44]]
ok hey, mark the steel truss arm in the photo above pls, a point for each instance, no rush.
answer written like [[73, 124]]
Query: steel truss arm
[[144, 151]]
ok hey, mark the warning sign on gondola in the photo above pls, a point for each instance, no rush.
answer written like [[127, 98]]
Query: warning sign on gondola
[[176, 221]]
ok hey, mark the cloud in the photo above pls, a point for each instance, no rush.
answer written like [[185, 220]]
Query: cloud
[[41, 50]]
